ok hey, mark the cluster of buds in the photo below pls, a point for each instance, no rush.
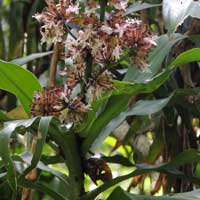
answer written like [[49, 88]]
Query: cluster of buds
[[93, 45], [53, 101]]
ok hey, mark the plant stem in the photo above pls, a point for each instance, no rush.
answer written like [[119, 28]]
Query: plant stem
[[53, 66], [70, 150], [103, 4]]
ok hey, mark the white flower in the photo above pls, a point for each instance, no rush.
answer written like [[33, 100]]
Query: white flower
[[120, 29], [151, 41], [107, 29], [121, 5], [116, 52], [72, 9]]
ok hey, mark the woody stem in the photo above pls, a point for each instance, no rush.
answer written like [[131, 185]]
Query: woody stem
[[53, 66]]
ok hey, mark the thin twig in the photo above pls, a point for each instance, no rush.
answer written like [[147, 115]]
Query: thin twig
[[53, 66]]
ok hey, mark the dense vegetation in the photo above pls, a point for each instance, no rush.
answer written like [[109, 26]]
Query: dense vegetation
[[87, 84]]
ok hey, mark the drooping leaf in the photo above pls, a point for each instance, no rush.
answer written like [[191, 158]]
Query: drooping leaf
[[18, 81], [44, 188], [41, 138], [118, 193], [117, 104], [142, 107], [24, 60], [187, 57], [5, 135], [120, 97], [137, 6], [26, 157], [175, 11]]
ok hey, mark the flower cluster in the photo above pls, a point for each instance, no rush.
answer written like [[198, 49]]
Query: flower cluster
[[95, 47], [54, 18], [51, 101]]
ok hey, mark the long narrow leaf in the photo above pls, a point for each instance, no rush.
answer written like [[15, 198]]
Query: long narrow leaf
[[24, 60]]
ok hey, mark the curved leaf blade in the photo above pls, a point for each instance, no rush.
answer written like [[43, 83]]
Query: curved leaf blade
[[187, 57], [175, 11], [5, 135], [29, 58], [18, 81], [41, 138]]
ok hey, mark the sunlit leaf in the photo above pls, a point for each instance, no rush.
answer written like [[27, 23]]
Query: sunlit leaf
[[18, 81], [187, 57]]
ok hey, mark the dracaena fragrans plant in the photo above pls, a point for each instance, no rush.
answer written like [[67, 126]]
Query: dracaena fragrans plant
[[91, 41]]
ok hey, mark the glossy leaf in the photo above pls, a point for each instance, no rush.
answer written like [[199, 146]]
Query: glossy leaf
[[142, 107], [18, 81], [175, 11], [117, 104], [187, 57]]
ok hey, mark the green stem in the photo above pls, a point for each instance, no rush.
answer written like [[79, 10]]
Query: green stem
[[69, 148], [88, 71], [103, 4]]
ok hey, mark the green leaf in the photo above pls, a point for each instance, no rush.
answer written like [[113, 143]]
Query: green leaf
[[119, 103], [118, 193], [24, 60], [148, 107], [3, 117], [41, 138], [156, 148], [155, 59], [39, 186], [5, 135], [137, 6], [97, 108], [142, 107], [18, 81], [26, 157], [175, 11], [118, 159], [187, 57]]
